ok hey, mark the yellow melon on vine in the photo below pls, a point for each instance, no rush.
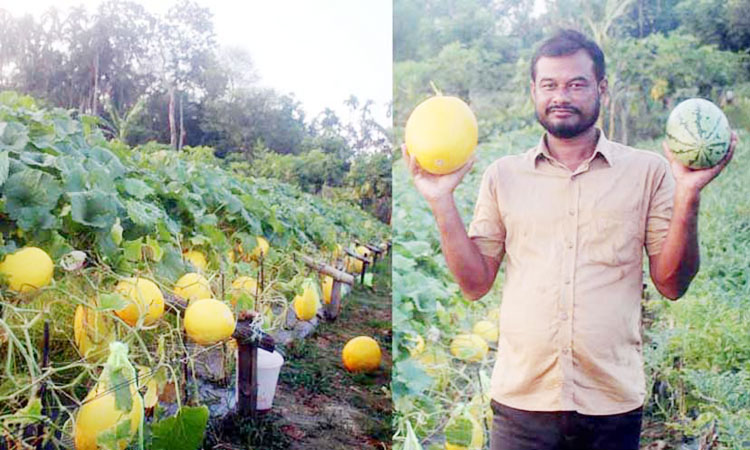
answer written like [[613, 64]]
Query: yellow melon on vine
[[469, 347], [327, 288], [197, 259], [145, 300], [488, 330], [27, 269], [209, 321], [262, 247], [112, 411], [92, 333], [306, 305], [193, 286], [244, 286]]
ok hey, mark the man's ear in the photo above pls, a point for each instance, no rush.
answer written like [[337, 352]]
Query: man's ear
[[603, 87], [532, 88]]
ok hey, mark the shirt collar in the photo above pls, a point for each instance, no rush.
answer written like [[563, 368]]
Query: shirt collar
[[603, 147]]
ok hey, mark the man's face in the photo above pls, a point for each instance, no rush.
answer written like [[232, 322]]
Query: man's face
[[566, 94]]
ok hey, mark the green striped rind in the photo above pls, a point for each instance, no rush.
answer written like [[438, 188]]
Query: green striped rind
[[698, 133]]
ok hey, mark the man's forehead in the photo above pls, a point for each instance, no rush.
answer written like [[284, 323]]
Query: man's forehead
[[575, 65]]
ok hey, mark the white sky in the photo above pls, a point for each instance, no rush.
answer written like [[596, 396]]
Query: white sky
[[323, 51]]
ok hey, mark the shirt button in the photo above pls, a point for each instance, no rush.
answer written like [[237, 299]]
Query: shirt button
[[571, 212], [565, 351], [567, 281], [570, 245]]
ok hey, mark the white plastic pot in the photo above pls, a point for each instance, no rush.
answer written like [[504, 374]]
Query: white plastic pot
[[269, 366]]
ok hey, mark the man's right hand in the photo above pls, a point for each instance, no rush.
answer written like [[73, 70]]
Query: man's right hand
[[435, 188]]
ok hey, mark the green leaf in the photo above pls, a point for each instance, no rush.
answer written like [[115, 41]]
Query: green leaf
[[137, 188], [37, 159], [142, 213], [182, 432], [368, 279], [4, 167], [13, 136], [133, 249], [155, 250], [112, 302], [110, 438], [107, 159], [30, 196], [410, 378], [94, 208], [120, 382], [41, 135]]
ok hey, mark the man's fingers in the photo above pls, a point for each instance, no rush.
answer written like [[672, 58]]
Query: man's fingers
[[667, 151]]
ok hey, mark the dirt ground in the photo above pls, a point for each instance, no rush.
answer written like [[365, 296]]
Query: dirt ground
[[318, 404]]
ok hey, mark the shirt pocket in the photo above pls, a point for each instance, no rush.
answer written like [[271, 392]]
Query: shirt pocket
[[613, 238]]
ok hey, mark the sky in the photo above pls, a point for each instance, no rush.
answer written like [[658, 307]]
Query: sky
[[322, 51]]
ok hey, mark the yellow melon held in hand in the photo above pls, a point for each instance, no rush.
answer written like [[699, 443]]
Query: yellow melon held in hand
[[441, 133], [209, 321], [361, 354], [145, 300], [27, 269], [193, 286]]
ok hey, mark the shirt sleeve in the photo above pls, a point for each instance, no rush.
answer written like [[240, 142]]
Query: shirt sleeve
[[486, 228], [660, 209]]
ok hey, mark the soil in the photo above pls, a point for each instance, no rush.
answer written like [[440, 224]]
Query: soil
[[318, 403]]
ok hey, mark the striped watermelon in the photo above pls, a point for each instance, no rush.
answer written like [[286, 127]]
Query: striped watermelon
[[698, 133]]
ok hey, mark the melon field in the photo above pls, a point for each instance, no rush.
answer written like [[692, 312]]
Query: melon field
[[109, 216], [697, 349]]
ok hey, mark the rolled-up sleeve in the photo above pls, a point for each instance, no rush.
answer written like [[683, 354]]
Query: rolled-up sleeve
[[486, 228], [660, 209]]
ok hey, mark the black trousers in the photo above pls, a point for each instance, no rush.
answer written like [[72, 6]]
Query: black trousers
[[515, 429]]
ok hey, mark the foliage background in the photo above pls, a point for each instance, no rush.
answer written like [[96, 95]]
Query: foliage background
[[164, 78]]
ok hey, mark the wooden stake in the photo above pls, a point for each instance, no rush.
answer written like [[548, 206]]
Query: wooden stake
[[332, 309], [43, 385], [336, 274]]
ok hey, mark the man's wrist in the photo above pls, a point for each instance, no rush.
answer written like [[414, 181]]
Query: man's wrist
[[686, 194], [441, 204]]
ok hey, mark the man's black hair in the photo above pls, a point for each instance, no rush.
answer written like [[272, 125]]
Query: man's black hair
[[567, 42]]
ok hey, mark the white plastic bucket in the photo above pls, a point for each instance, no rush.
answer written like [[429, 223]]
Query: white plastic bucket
[[269, 366]]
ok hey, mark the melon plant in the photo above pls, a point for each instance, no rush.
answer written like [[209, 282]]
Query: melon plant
[[698, 133], [441, 133]]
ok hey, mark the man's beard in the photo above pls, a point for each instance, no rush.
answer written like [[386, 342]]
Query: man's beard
[[568, 130]]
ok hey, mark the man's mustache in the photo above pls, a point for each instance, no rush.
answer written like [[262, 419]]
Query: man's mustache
[[571, 109]]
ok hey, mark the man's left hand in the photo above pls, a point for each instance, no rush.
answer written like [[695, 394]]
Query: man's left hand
[[693, 180]]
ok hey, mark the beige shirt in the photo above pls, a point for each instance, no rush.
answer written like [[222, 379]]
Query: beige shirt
[[571, 304]]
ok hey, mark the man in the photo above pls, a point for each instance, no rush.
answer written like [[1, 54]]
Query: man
[[571, 218]]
